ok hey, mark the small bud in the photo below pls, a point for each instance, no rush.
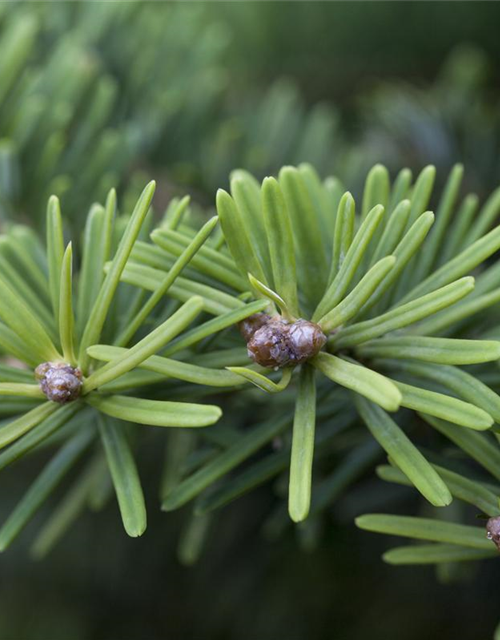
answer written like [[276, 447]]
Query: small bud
[[306, 339], [278, 344], [60, 382], [268, 346], [493, 531]]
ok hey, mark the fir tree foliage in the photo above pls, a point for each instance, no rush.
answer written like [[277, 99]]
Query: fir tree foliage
[[52, 319], [150, 322]]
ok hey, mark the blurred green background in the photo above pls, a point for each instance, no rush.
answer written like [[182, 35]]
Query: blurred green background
[[100, 94]]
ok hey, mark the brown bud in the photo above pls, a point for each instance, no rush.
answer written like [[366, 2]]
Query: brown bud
[[59, 381], [279, 344], [493, 531], [249, 325], [269, 346], [306, 339]]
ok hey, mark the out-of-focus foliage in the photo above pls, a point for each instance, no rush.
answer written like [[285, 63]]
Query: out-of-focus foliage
[[456, 118], [336, 47], [72, 88], [81, 106]]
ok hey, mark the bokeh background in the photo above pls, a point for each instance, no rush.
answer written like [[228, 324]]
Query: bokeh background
[[94, 95]]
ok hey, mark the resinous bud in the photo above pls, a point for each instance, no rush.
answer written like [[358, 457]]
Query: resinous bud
[[269, 345], [278, 343], [59, 381], [306, 339]]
